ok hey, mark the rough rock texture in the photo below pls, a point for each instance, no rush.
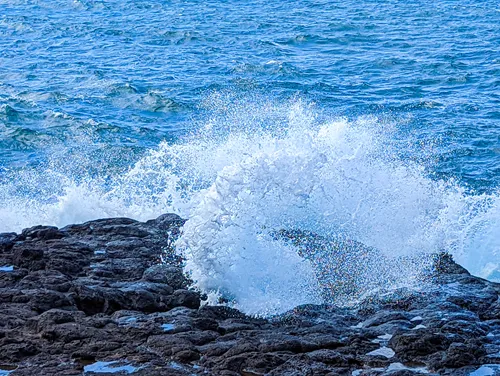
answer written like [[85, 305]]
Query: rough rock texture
[[95, 299]]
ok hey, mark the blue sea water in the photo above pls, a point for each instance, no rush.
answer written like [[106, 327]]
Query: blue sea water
[[136, 108]]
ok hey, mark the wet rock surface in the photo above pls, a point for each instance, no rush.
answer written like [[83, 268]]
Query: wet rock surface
[[109, 297]]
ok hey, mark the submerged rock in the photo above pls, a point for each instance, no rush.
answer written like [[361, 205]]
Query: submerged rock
[[109, 297]]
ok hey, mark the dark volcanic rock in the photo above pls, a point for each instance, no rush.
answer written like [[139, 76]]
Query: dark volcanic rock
[[109, 297]]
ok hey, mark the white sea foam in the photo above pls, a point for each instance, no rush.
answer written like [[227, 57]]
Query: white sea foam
[[333, 178], [255, 168]]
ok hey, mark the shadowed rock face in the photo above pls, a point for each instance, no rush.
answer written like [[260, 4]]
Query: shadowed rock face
[[94, 299], [347, 270]]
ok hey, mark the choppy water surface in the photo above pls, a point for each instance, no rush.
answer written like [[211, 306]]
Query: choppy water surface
[[376, 120]]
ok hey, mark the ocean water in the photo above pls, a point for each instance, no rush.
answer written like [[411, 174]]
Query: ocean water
[[373, 121]]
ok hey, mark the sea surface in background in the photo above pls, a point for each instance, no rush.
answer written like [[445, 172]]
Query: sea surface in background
[[374, 121]]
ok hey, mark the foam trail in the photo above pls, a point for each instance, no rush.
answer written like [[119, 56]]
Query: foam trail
[[255, 168]]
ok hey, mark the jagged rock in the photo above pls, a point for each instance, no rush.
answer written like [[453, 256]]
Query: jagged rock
[[7, 241], [168, 274], [113, 290], [28, 255], [413, 345]]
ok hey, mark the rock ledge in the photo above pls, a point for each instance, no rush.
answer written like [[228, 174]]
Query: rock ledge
[[95, 299]]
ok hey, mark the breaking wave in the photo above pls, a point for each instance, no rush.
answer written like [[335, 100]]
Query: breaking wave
[[254, 169]]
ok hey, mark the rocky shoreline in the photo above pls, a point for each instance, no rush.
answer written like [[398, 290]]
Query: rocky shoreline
[[96, 299]]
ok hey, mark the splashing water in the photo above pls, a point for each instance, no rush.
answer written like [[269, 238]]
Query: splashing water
[[335, 178], [255, 169]]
